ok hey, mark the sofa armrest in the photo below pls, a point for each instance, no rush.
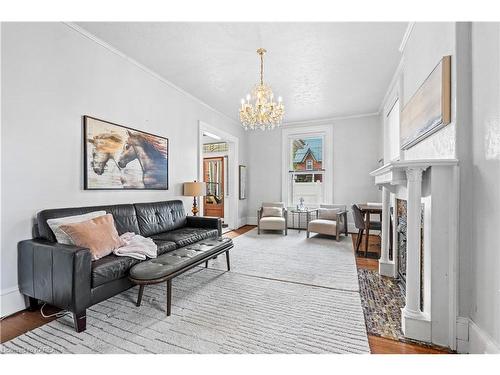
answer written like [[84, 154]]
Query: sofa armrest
[[205, 222], [55, 273]]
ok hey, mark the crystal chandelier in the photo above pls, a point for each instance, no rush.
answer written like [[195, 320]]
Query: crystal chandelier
[[259, 110]]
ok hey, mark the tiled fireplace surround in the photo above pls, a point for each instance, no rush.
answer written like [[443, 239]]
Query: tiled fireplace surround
[[424, 198]]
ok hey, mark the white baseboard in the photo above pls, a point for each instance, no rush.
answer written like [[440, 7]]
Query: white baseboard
[[242, 221], [12, 301], [480, 342], [252, 220], [473, 339]]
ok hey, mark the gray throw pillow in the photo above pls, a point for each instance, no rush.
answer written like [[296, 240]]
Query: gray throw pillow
[[328, 213], [272, 211]]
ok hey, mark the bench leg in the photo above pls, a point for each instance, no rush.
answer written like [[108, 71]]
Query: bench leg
[[32, 304], [227, 260], [139, 297], [169, 296], [80, 320], [206, 264]]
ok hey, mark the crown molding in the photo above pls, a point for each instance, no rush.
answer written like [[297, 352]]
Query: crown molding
[[329, 119], [406, 36], [117, 52]]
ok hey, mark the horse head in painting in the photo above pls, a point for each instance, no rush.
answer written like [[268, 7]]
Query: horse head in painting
[[151, 152], [105, 146]]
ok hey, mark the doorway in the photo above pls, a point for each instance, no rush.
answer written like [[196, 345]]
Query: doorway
[[218, 167], [213, 176]]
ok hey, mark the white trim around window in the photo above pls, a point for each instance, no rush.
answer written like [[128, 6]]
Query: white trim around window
[[290, 132]]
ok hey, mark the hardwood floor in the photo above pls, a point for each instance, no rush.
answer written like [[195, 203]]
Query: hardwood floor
[[25, 321]]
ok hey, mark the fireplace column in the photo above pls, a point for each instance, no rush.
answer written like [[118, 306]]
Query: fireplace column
[[415, 324], [385, 266]]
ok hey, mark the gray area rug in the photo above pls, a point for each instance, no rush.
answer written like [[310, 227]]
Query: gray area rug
[[319, 261], [214, 311]]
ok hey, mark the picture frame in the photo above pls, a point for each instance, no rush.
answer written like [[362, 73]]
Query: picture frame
[[118, 157], [242, 182], [429, 109]]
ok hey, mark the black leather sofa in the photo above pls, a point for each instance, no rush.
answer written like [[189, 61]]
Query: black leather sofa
[[66, 277]]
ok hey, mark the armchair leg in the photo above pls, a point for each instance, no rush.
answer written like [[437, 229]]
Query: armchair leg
[[80, 321], [307, 234]]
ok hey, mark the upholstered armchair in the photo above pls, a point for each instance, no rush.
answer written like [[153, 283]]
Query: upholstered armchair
[[272, 216], [331, 219]]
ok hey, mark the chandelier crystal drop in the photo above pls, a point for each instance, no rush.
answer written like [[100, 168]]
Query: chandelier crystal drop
[[259, 110]]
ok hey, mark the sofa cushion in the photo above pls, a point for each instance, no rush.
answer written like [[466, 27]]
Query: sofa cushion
[[272, 223], [110, 268], [123, 215], [165, 246], [323, 226], [186, 235], [158, 217]]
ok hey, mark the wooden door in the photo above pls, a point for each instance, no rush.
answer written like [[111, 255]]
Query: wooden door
[[213, 175]]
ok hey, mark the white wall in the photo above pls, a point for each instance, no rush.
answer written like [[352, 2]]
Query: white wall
[[51, 76], [426, 46], [356, 150], [485, 280]]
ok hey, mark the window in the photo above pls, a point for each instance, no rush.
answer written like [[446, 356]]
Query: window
[[306, 170]]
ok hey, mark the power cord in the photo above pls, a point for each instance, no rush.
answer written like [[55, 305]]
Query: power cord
[[57, 314]]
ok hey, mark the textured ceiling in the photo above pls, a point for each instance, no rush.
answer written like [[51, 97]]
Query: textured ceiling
[[321, 70]]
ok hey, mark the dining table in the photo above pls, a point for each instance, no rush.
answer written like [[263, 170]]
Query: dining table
[[367, 210]]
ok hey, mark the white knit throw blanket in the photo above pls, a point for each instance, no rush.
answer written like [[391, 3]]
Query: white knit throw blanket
[[136, 246]]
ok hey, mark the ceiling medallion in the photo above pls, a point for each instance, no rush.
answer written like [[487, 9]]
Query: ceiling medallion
[[259, 110]]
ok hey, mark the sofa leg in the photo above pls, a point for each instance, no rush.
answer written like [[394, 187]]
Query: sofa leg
[[32, 304], [227, 260], [169, 296], [80, 321]]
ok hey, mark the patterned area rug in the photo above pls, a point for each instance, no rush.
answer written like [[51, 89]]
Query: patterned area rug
[[214, 311], [382, 301]]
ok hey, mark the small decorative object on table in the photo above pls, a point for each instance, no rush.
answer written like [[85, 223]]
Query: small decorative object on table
[[300, 206], [194, 189]]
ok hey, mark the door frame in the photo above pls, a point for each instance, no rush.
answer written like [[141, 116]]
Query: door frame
[[233, 163]]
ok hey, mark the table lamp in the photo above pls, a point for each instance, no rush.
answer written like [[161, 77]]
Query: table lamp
[[194, 189]]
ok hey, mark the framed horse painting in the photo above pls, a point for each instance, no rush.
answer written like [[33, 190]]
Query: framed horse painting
[[119, 157]]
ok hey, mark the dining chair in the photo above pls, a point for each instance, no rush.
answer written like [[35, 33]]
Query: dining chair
[[360, 223]]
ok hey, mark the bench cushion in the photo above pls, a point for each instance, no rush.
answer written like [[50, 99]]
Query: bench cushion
[[171, 262], [186, 235]]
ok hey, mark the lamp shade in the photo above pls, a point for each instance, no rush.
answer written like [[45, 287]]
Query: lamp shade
[[194, 189]]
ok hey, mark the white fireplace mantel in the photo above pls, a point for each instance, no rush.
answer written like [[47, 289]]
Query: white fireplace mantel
[[432, 184], [394, 172]]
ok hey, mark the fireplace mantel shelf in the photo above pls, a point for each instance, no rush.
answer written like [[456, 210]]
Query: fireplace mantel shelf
[[393, 173]]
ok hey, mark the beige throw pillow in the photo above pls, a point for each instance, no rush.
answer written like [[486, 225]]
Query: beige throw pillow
[[272, 211], [56, 223], [98, 234], [328, 213]]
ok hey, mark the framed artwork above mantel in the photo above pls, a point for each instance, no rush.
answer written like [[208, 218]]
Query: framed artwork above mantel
[[117, 157], [429, 109]]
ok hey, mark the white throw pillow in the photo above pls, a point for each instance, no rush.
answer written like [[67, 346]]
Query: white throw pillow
[[272, 211], [56, 223], [328, 213]]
